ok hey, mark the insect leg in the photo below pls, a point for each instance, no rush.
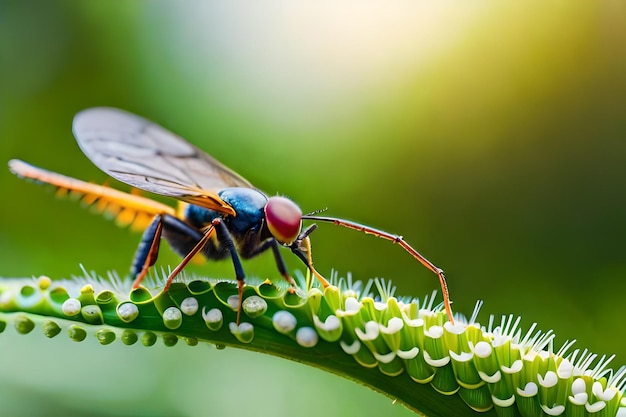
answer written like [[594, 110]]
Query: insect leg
[[400, 241], [201, 244], [301, 247], [280, 262], [225, 239], [148, 250]]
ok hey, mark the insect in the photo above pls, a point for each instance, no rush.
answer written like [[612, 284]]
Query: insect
[[222, 215]]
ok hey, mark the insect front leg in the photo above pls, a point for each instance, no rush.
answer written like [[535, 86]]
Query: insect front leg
[[399, 240], [301, 247], [280, 262]]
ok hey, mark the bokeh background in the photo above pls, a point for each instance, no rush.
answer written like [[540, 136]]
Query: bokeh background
[[492, 136]]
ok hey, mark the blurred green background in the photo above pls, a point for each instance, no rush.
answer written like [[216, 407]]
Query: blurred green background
[[492, 136]]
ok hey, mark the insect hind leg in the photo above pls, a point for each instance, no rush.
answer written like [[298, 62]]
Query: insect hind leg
[[148, 249]]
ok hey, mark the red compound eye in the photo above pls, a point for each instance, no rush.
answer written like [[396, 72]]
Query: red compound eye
[[284, 219]]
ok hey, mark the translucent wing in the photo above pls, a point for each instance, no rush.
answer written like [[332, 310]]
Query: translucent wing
[[145, 155]]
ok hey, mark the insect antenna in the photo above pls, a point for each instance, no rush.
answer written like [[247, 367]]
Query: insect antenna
[[314, 212], [400, 241]]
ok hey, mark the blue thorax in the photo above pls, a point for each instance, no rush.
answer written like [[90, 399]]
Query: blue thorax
[[249, 204]]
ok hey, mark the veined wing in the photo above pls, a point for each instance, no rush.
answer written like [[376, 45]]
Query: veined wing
[[147, 156], [128, 209]]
